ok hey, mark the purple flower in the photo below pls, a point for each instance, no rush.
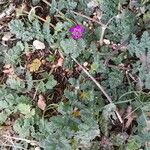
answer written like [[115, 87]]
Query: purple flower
[[77, 32]]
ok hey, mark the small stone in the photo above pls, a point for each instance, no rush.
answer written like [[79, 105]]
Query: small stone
[[7, 36], [38, 44], [85, 64], [37, 148], [106, 41]]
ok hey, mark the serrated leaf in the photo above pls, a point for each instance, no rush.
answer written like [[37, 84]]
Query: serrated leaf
[[53, 6], [22, 127], [51, 83], [59, 26], [108, 111], [15, 84], [26, 110], [72, 47], [133, 144], [13, 54], [46, 32], [41, 87], [3, 117], [36, 30], [115, 79], [17, 28], [29, 81]]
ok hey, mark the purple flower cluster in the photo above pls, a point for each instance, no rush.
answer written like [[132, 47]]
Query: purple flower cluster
[[77, 32]]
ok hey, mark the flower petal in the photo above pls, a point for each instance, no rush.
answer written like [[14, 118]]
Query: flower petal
[[72, 29], [80, 28]]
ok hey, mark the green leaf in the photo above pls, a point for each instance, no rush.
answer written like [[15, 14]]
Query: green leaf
[[115, 79], [41, 87], [3, 116], [51, 83], [36, 30], [22, 127], [108, 111], [58, 26], [53, 7], [26, 110], [86, 134], [133, 144], [31, 15], [46, 32], [16, 84], [72, 47], [29, 81], [13, 54], [56, 142], [17, 28]]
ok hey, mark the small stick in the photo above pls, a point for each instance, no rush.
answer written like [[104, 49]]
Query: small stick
[[84, 16], [7, 12], [21, 139], [26, 12], [99, 86]]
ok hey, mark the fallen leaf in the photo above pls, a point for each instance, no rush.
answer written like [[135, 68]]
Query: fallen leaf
[[35, 65], [76, 113], [130, 116], [8, 69], [38, 44], [60, 62], [41, 102]]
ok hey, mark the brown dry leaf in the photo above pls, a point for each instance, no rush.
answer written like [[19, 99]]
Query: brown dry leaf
[[60, 62], [41, 102], [130, 117], [8, 69], [35, 65], [38, 44]]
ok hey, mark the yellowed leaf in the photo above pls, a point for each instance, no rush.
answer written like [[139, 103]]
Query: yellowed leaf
[[41, 102], [76, 113], [35, 65]]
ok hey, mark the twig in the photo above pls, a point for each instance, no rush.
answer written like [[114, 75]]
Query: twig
[[93, 79], [7, 145], [84, 16], [40, 19], [102, 35], [21, 139], [7, 12], [99, 86]]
